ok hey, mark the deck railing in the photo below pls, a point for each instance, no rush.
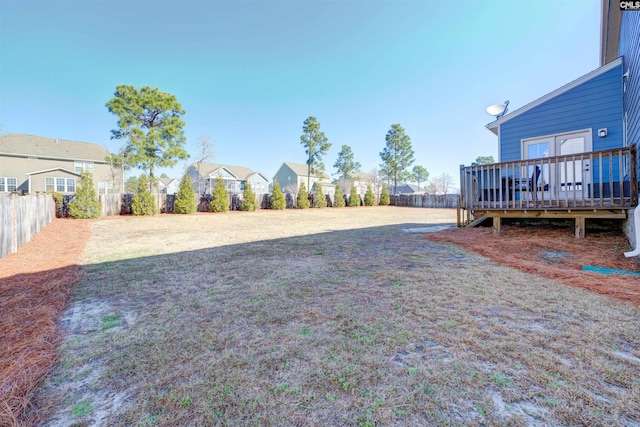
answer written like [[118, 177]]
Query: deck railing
[[605, 179]]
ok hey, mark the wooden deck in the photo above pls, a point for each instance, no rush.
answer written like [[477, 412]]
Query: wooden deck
[[601, 184]]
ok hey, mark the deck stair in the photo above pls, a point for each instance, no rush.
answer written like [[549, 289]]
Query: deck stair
[[477, 221]]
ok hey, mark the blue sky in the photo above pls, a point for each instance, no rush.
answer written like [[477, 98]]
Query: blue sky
[[250, 72]]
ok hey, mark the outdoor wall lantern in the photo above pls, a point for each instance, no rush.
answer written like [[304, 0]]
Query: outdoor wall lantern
[[602, 132]]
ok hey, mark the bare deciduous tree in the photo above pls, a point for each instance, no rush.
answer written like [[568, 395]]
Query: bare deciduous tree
[[442, 183], [205, 152]]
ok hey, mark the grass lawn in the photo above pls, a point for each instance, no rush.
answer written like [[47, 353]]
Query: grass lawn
[[330, 317]]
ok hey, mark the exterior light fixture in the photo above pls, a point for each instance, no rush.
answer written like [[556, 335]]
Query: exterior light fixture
[[602, 132]]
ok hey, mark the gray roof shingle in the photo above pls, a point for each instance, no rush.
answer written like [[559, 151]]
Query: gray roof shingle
[[38, 146]]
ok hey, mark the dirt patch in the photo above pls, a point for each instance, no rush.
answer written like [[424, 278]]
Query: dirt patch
[[557, 254], [34, 289]]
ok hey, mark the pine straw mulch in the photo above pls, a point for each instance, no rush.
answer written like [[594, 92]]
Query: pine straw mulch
[[557, 254], [34, 290]]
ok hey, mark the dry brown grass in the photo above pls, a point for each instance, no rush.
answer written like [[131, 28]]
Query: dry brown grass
[[330, 317]]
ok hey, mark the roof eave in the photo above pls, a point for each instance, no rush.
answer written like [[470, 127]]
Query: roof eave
[[609, 31]]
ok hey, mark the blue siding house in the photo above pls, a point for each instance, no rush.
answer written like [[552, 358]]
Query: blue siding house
[[573, 152]]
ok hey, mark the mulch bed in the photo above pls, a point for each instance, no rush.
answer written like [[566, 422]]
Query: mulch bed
[[557, 254], [34, 290]]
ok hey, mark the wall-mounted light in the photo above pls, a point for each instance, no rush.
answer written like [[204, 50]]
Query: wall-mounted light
[[602, 132], [626, 75]]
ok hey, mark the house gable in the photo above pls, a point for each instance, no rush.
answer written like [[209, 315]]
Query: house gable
[[594, 102]]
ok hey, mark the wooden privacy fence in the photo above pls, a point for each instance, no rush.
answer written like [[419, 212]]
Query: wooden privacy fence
[[21, 217], [448, 201]]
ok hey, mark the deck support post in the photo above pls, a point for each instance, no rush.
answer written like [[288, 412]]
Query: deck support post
[[580, 228], [497, 222]]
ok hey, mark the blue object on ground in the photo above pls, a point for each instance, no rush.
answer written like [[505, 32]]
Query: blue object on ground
[[606, 270]]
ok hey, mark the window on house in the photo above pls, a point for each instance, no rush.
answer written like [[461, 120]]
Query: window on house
[[60, 187], [12, 184], [79, 166], [2, 181], [49, 184], [105, 187], [71, 185]]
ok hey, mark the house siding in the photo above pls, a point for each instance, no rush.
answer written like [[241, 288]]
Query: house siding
[[18, 167], [629, 50], [594, 104]]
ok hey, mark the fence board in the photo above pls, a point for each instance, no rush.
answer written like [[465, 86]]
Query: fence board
[[21, 217], [446, 201]]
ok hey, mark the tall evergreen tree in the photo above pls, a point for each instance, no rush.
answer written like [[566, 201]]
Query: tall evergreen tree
[[385, 200], [86, 203], [397, 155], [276, 200], [354, 198], [419, 174], [150, 123], [186, 198], [219, 197], [345, 165], [302, 202], [338, 198], [248, 198], [369, 197], [316, 145], [144, 203], [319, 201]]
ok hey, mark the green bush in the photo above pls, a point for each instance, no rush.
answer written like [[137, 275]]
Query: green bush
[[338, 201], [319, 201], [248, 198], [86, 203], [303, 198], [276, 200], [354, 199], [369, 197], [186, 198], [144, 203], [385, 200], [219, 197]]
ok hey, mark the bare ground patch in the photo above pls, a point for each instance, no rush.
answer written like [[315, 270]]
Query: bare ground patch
[[331, 317]]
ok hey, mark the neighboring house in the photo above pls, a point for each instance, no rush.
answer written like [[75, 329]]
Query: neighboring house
[[408, 189], [290, 175], [204, 177], [361, 180], [168, 185], [29, 164], [570, 153]]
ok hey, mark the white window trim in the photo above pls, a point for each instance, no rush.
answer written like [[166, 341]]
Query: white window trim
[[66, 184], [4, 187]]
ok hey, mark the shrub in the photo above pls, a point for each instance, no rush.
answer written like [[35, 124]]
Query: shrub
[[86, 203], [186, 198], [219, 197], [339, 198], [303, 198], [144, 203], [385, 200], [369, 198], [248, 198], [354, 199], [319, 201], [276, 200]]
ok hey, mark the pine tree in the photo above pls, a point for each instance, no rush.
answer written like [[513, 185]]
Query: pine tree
[[144, 203], [86, 203], [185, 202], [319, 201], [339, 198], [354, 199], [276, 200], [303, 198], [219, 197], [248, 198], [369, 198], [385, 200]]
